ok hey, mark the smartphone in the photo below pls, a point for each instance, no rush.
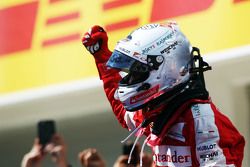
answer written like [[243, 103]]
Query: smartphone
[[46, 129], [135, 155]]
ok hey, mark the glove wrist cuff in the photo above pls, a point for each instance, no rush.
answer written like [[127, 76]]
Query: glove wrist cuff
[[104, 71], [101, 59], [102, 56]]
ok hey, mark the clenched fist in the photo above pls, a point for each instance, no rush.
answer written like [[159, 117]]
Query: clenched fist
[[96, 42]]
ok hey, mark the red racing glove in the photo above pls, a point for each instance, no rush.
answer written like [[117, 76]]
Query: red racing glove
[[96, 42]]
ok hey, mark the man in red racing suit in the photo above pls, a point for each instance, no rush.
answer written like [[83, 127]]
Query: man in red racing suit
[[196, 134]]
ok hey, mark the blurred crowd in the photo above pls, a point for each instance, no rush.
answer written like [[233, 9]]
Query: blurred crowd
[[90, 157]]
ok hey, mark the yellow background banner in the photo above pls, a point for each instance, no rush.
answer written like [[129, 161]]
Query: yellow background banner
[[40, 42]]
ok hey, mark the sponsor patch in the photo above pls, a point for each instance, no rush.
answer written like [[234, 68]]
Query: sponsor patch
[[172, 156], [148, 49], [144, 95], [206, 147], [124, 50], [196, 111], [165, 38], [209, 156], [167, 49]]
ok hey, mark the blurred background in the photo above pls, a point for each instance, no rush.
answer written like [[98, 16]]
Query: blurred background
[[46, 73]]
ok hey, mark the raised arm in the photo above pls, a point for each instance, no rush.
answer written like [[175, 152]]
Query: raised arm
[[96, 42]]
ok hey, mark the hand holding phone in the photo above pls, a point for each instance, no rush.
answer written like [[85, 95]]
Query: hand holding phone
[[46, 129]]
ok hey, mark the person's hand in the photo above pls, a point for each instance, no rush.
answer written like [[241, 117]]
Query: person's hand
[[34, 157], [122, 161], [147, 160], [57, 149], [91, 158], [96, 42]]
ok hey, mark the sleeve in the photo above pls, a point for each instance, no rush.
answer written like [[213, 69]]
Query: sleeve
[[111, 78], [214, 139]]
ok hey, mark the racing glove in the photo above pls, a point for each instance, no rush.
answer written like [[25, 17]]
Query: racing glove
[[96, 42]]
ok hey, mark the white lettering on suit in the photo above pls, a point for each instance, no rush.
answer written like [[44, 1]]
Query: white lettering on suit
[[208, 151]]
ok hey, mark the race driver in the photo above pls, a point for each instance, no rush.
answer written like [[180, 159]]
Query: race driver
[[155, 84]]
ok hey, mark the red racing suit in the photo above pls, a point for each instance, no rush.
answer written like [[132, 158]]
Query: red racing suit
[[198, 134]]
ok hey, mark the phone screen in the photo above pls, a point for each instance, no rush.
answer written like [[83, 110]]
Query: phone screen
[[46, 129]]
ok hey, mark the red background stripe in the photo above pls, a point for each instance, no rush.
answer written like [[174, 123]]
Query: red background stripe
[[55, 1], [122, 24], [164, 9], [62, 39], [62, 18], [118, 3], [17, 25]]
